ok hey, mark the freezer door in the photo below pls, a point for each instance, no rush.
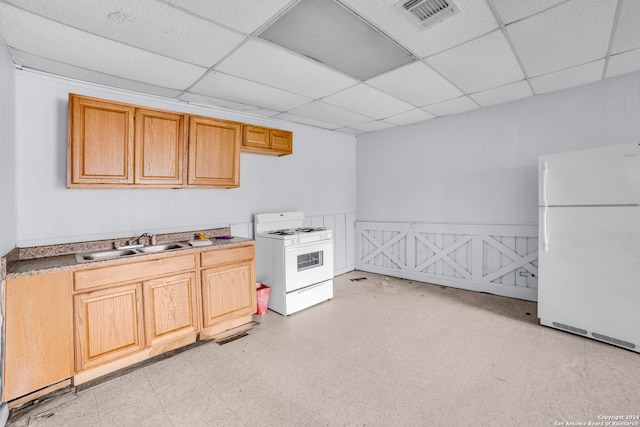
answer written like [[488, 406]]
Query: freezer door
[[589, 267], [599, 176]]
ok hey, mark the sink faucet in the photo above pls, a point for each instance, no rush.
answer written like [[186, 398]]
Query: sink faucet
[[135, 243], [151, 237]]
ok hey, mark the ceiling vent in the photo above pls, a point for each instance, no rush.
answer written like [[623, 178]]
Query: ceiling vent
[[427, 13]]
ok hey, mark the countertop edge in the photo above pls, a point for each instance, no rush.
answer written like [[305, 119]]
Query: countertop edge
[[13, 269]]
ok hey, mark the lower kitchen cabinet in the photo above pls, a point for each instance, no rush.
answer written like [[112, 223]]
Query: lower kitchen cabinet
[[38, 350], [228, 289], [109, 324], [169, 307], [227, 293], [81, 324]]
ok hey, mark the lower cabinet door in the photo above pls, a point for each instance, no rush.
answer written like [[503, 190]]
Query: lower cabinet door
[[38, 346], [228, 292], [109, 324], [169, 307]]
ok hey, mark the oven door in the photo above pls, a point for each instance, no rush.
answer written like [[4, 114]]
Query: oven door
[[308, 264]]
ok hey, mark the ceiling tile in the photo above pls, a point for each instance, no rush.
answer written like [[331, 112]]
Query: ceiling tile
[[78, 73], [243, 15], [373, 126], [475, 19], [235, 89], [328, 113], [350, 131], [573, 33], [274, 66], [410, 117], [452, 106], [570, 77], [627, 34], [502, 94], [511, 11], [307, 121], [146, 24], [416, 84], [368, 101], [623, 63], [481, 64], [49, 39], [195, 98]]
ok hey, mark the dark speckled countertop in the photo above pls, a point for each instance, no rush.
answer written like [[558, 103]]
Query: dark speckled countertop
[[22, 262]]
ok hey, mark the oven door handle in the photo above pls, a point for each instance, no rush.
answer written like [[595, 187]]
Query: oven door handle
[[308, 288]]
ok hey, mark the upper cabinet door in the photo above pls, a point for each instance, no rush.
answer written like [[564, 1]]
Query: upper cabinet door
[[261, 140], [101, 135], [214, 152], [159, 147], [256, 137], [282, 141]]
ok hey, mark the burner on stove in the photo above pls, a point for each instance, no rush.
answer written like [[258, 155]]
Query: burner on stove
[[308, 229], [293, 231], [282, 232]]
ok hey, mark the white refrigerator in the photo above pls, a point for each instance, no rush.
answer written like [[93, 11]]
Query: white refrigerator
[[589, 243]]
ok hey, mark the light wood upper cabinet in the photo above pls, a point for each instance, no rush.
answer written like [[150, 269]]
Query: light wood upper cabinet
[[100, 143], [159, 147], [281, 141], [112, 144], [261, 140], [38, 343], [214, 152]]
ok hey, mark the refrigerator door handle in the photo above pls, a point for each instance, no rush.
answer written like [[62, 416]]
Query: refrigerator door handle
[[545, 235], [545, 204], [545, 168]]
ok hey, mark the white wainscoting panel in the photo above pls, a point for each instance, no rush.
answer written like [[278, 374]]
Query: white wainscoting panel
[[342, 228], [497, 259]]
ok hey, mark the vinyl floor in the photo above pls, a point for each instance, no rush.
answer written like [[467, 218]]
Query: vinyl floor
[[382, 352]]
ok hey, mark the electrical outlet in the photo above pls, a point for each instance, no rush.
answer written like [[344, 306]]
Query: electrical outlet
[[381, 208]]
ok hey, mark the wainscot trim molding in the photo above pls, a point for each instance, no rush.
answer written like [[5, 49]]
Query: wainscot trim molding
[[497, 259]]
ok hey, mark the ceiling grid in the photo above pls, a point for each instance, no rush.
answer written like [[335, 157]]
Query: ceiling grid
[[375, 69]]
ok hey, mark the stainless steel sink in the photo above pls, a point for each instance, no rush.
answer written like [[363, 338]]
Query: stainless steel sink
[[160, 248], [102, 255], [118, 253]]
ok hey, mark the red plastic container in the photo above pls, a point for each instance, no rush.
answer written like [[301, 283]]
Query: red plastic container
[[262, 293]]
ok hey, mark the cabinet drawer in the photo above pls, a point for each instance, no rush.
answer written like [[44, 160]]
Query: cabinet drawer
[[225, 256], [132, 271]]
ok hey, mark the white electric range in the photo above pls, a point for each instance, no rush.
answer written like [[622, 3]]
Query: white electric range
[[295, 261]]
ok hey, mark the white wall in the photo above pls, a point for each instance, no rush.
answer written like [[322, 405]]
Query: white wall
[[319, 178], [459, 194], [7, 172], [7, 151], [480, 167]]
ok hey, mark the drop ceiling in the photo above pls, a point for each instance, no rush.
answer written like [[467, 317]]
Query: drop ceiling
[[363, 67]]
